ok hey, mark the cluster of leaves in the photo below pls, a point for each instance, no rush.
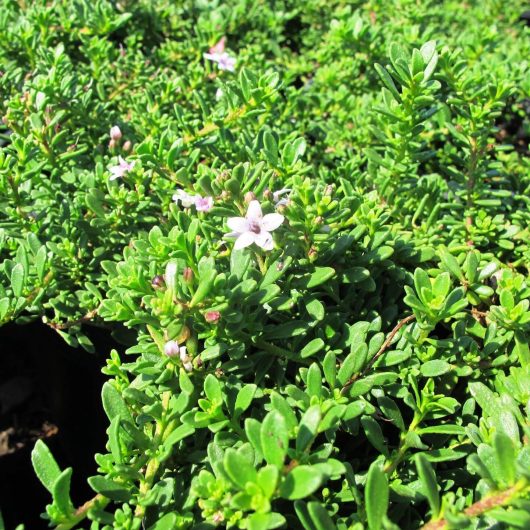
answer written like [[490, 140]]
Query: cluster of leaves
[[373, 369]]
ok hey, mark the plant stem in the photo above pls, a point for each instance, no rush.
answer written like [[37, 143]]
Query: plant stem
[[99, 501], [480, 507], [382, 350]]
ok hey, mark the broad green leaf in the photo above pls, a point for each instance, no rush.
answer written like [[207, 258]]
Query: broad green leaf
[[167, 522], [311, 348], [376, 496], [238, 468], [435, 368], [18, 279], [308, 428], [61, 492], [301, 482], [212, 388], [314, 380], [329, 366], [114, 404], [244, 399], [274, 438], [429, 482], [267, 479], [506, 456], [320, 516], [319, 276], [374, 434], [109, 488], [45, 466]]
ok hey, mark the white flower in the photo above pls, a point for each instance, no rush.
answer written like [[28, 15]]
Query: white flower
[[254, 227], [219, 94], [203, 204], [186, 199], [121, 169], [276, 197]]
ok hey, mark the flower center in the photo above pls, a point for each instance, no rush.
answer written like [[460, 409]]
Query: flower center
[[254, 226]]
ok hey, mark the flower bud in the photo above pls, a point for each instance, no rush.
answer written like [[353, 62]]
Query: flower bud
[[184, 354], [187, 274], [127, 146], [115, 133], [188, 367], [212, 317], [249, 197], [268, 195], [319, 220], [112, 144], [171, 348], [158, 282]]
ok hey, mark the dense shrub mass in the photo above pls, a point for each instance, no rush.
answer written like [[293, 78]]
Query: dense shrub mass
[[308, 224]]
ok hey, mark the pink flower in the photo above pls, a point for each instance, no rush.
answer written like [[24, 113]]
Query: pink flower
[[115, 133], [254, 227], [121, 169], [218, 55], [223, 60], [203, 204], [172, 349], [212, 317]]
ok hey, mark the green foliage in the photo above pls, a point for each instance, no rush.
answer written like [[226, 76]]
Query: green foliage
[[368, 366]]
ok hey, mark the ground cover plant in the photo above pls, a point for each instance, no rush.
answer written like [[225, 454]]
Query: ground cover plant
[[307, 226]]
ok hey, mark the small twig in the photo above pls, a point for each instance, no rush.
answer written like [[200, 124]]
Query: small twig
[[66, 325], [382, 350], [479, 507]]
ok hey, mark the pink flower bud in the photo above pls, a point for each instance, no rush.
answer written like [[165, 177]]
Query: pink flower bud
[[187, 274], [127, 146], [171, 348], [115, 133], [158, 282], [212, 317], [249, 197]]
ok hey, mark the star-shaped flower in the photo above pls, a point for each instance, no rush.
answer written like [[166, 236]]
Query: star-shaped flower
[[254, 227], [218, 55], [121, 169]]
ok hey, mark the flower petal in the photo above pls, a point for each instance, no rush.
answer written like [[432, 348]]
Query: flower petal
[[277, 194], [237, 224], [219, 47], [254, 211], [212, 57], [272, 221], [264, 240], [244, 240]]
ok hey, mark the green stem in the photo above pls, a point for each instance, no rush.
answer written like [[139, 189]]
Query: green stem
[[99, 501]]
